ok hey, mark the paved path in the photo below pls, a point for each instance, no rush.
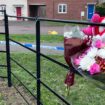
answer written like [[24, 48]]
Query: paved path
[[17, 48], [12, 97]]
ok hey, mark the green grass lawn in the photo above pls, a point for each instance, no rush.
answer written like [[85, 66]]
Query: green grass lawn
[[82, 93], [32, 38], [56, 24]]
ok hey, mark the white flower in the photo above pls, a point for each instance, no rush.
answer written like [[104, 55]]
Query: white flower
[[68, 34], [86, 62], [101, 53], [103, 37], [95, 38], [98, 37], [92, 52]]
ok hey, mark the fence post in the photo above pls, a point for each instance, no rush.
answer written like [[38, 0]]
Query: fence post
[[38, 59], [7, 49]]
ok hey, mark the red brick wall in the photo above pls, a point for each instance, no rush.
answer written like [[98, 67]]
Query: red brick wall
[[49, 9], [74, 8]]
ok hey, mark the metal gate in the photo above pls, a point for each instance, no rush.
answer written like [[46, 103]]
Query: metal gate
[[37, 21]]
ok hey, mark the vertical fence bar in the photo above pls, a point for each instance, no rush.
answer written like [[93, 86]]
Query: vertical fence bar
[[7, 49], [38, 60]]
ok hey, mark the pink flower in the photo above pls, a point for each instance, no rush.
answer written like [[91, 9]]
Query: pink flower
[[95, 68], [77, 61], [95, 18], [103, 44], [88, 30], [98, 44]]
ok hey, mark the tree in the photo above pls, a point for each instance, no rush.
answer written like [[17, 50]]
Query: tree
[[100, 9]]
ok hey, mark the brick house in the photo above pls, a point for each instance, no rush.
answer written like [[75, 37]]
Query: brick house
[[37, 8], [70, 9], [59, 9], [62, 9]]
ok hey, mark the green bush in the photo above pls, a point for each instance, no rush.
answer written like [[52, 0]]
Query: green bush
[[100, 9]]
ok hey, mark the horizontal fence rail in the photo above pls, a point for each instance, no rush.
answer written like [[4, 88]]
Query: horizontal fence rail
[[23, 45], [30, 18], [59, 20], [3, 77], [23, 85], [43, 55], [2, 33], [3, 65], [40, 82], [2, 51], [72, 21], [2, 11], [56, 94], [21, 95], [24, 68]]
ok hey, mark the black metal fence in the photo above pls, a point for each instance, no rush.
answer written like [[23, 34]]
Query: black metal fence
[[38, 55]]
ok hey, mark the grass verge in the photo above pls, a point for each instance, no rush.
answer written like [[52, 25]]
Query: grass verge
[[82, 93], [32, 38]]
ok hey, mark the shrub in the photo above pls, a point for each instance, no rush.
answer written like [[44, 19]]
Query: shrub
[[100, 9]]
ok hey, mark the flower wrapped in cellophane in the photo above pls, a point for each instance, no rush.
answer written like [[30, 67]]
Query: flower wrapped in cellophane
[[73, 43], [85, 52], [93, 58], [90, 62]]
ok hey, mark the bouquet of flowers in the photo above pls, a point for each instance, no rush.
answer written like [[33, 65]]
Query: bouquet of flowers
[[93, 58], [85, 51]]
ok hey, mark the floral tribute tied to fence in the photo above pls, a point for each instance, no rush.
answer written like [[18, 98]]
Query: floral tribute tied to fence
[[85, 52]]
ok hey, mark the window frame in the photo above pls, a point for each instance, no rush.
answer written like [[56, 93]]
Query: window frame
[[62, 8], [2, 7]]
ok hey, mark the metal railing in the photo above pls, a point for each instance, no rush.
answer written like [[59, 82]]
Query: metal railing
[[38, 55]]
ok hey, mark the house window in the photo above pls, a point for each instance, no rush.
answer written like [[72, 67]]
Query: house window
[[2, 7], [62, 8]]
